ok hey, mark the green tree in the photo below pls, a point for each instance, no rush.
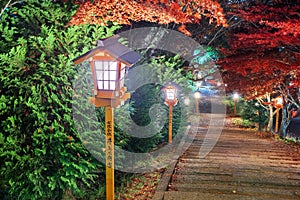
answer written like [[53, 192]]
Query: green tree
[[41, 152], [158, 70], [253, 111]]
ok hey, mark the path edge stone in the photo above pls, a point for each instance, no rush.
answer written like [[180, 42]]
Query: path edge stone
[[164, 181]]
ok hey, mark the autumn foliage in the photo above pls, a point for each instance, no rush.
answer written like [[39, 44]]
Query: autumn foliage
[[264, 49], [156, 11]]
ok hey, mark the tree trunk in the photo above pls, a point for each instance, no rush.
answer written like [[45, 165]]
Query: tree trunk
[[285, 122], [260, 125], [270, 122]]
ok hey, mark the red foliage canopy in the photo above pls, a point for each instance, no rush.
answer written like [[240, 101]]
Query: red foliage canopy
[[157, 11], [264, 49]]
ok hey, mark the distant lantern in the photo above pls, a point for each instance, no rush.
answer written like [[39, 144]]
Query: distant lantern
[[197, 95], [170, 92], [236, 96], [278, 102]]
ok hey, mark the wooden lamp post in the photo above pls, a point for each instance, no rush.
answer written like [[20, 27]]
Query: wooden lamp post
[[278, 105], [170, 100], [108, 63], [197, 96], [236, 96]]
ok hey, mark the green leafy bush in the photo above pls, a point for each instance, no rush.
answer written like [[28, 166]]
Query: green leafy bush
[[159, 70], [41, 152], [254, 113]]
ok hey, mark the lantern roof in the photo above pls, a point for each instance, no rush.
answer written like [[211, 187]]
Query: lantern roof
[[114, 48]]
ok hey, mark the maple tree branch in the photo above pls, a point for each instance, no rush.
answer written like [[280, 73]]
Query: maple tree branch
[[291, 50], [9, 5], [276, 111], [201, 79], [217, 36], [254, 24], [286, 93], [291, 99], [280, 61], [260, 100], [6, 6], [16, 3], [153, 39]]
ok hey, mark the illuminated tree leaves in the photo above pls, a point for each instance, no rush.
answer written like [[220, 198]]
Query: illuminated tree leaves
[[264, 49], [161, 12]]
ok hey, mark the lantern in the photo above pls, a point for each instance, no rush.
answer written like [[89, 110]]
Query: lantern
[[278, 103], [170, 100], [197, 96], [108, 63], [170, 95], [235, 97]]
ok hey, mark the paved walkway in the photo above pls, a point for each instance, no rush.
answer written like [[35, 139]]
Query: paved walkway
[[240, 166]]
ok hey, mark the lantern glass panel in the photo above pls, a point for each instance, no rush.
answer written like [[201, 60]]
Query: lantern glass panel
[[113, 66], [106, 74], [105, 85], [122, 74], [121, 83], [236, 96], [112, 85], [279, 101], [113, 75], [103, 64], [123, 69], [99, 66], [99, 75], [100, 84], [170, 94], [197, 95]]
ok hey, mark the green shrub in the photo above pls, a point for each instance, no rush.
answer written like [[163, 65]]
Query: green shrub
[[160, 70], [254, 113], [41, 152]]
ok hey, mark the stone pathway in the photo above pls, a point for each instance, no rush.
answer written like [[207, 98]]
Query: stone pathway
[[240, 166]]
